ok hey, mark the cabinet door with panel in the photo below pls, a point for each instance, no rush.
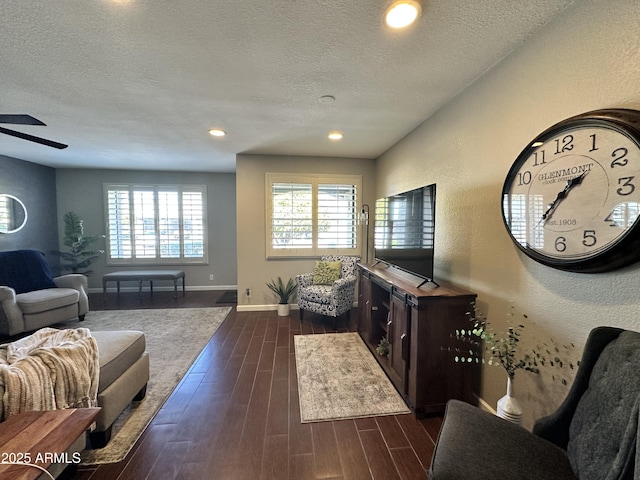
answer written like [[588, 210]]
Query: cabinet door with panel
[[398, 332], [419, 324], [434, 377], [364, 306]]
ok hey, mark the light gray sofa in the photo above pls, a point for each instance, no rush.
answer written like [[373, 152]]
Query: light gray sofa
[[30, 298], [593, 435], [124, 373]]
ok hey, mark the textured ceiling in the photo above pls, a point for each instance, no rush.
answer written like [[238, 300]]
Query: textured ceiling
[[136, 84]]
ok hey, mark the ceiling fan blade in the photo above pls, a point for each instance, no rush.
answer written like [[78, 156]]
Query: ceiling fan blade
[[31, 138], [19, 119]]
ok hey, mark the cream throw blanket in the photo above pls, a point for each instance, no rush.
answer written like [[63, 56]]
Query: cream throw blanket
[[49, 370]]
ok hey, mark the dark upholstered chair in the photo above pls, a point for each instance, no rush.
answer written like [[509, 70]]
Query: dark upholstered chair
[[592, 436]]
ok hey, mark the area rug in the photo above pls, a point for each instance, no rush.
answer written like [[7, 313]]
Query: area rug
[[174, 338], [338, 378]]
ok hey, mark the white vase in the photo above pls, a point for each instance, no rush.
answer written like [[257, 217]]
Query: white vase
[[509, 407], [283, 309]]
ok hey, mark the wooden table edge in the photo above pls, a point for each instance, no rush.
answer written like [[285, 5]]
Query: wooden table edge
[[17, 439]]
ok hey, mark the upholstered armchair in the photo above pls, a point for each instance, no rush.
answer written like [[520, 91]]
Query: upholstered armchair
[[30, 298], [593, 435], [330, 289]]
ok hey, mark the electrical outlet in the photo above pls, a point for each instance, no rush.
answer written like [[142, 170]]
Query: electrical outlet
[[211, 276], [248, 293]]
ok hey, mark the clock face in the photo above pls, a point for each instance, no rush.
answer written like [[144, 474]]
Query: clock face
[[572, 198]]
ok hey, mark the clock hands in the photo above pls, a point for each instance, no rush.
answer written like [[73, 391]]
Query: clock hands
[[572, 182]]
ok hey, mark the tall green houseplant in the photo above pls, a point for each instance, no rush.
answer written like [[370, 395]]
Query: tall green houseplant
[[78, 258]]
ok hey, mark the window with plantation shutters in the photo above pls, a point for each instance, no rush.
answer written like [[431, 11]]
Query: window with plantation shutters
[[337, 216], [312, 215], [119, 240], [156, 224], [292, 216]]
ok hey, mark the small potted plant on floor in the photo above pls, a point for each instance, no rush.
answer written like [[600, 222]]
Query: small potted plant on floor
[[383, 347], [284, 293]]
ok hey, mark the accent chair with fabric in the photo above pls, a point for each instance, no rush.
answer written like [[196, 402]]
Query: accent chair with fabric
[[330, 289], [30, 298], [593, 435]]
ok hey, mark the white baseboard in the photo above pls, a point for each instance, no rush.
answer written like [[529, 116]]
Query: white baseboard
[[267, 307], [484, 405], [202, 288], [262, 308]]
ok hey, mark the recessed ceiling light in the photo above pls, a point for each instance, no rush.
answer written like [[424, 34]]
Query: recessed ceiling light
[[402, 13], [217, 132], [335, 136]]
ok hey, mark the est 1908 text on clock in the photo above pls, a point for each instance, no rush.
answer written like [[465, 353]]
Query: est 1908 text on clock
[[572, 197]]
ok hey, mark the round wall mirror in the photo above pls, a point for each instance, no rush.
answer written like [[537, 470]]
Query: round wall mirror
[[13, 214]]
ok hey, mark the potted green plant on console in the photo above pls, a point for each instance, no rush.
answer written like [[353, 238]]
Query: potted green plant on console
[[284, 293]]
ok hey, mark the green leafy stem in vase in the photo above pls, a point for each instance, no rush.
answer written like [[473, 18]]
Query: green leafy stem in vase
[[502, 348]]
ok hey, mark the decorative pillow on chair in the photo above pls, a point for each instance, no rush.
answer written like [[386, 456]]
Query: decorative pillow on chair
[[325, 273]]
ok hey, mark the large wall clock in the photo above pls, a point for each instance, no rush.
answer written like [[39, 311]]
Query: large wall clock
[[572, 197]]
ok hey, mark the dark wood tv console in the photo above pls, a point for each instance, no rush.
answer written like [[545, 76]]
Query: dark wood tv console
[[420, 325]]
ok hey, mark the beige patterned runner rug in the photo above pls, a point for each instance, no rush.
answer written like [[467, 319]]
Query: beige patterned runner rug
[[338, 378], [174, 338]]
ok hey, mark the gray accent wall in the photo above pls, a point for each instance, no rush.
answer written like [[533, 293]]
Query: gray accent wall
[[35, 185], [81, 191]]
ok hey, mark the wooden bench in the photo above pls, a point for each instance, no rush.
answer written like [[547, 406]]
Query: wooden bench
[[142, 276]]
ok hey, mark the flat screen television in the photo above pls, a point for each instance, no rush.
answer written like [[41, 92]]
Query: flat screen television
[[404, 229]]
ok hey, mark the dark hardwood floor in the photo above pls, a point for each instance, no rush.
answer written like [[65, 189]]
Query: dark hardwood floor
[[235, 415]]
